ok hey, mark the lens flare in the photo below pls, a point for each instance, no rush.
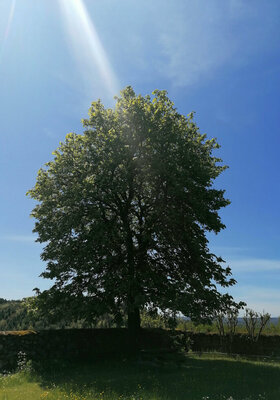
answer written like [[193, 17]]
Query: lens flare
[[85, 43], [8, 28]]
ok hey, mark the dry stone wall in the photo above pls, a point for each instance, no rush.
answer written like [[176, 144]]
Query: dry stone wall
[[82, 344], [73, 344], [266, 345]]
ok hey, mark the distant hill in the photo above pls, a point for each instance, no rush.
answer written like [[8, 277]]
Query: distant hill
[[272, 321], [14, 316]]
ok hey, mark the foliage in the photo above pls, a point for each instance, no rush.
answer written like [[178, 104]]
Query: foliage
[[123, 211], [23, 364], [15, 315], [152, 320]]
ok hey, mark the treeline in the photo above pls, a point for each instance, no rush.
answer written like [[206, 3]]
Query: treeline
[[14, 315], [272, 328]]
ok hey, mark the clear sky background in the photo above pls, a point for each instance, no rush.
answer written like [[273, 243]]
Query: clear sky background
[[218, 58]]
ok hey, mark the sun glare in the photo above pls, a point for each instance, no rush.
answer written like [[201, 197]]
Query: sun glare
[[86, 45], [8, 28]]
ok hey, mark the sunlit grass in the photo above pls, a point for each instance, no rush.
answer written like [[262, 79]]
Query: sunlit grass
[[205, 377]]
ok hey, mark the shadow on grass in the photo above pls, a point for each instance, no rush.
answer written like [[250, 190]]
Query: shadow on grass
[[195, 379]]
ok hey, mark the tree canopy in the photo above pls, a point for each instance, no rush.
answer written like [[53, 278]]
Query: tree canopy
[[124, 209]]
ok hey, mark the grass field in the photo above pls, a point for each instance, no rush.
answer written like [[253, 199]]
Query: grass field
[[206, 377]]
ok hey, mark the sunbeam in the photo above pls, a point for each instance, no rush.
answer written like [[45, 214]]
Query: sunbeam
[[86, 45], [8, 28]]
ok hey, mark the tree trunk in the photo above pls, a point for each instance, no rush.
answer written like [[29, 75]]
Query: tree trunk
[[133, 320], [133, 325]]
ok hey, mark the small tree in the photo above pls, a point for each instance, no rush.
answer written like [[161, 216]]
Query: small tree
[[123, 211], [255, 323], [220, 323], [232, 320], [226, 321]]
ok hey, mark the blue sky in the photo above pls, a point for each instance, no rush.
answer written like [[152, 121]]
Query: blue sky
[[219, 58]]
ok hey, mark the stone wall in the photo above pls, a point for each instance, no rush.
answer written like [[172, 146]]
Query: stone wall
[[82, 344], [267, 345], [73, 344]]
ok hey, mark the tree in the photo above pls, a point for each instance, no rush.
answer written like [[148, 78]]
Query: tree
[[124, 210]]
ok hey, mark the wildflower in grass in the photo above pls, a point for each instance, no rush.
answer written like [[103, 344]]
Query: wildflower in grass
[[44, 395]]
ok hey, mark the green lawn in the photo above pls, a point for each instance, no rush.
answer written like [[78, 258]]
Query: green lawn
[[204, 377]]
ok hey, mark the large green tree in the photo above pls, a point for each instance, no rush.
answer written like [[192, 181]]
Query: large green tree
[[124, 210]]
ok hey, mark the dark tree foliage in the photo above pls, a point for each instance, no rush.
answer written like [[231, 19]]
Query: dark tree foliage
[[124, 210]]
